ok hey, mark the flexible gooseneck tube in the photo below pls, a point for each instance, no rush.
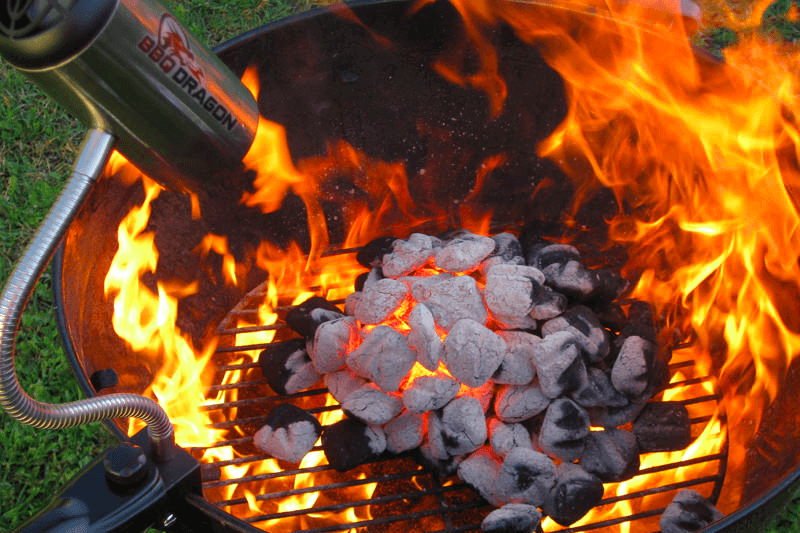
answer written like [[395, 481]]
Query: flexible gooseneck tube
[[95, 150]]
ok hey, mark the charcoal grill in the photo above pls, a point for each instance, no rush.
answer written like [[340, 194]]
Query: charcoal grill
[[325, 78]]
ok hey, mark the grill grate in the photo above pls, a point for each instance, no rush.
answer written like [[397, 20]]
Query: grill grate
[[393, 493]]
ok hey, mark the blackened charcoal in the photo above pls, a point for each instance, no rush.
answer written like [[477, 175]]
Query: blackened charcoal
[[598, 391], [428, 393], [508, 248], [451, 299], [663, 427], [366, 279], [575, 493], [104, 379], [463, 253], [306, 317], [689, 511], [472, 352], [509, 292], [516, 367], [351, 303], [559, 364], [405, 432], [611, 455], [371, 405], [611, 315], [609, 416], [564, 430], [505, 437], [379, 300], [287, 367], [608, 285], [547, 303], [349, 443], [566, 273], [641, 321], [463, 426], [371, 254], [630, 374], [584, 325], [515, 403], [331, 343], [480, 471], [526, 476], [358, 284], [407, 255], [289, 433], [512, 518], [423, 338], [442, 468], [340, 384], [383, 357]]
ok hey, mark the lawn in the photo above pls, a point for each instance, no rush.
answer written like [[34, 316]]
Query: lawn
[[39, 143]]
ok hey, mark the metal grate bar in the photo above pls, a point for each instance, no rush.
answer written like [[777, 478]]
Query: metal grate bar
[[285, 398]]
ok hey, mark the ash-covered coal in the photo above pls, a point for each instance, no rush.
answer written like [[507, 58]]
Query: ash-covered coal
[[491, 359]]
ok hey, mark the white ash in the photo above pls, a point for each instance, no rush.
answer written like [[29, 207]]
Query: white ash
[[373, 277], [564, 430], [306, 317], [575, 493], [303, 374], [547, 303], [689, 511], [526, 476], [420, 285], [342, 383], [484, 394], [562, 266], [433, 445], [598, 391], [463, 253], [505, 437], [380, 300], [423, 338], [585, 326], [508, 248], [428, 393], [407, 255], [383, 358], [612, 455], [512, 518], [332, 342], [509, 294], [371, 405], [555, 358], [406, 432], [452, 299], [463, 426], [516, 367], [287, 367], [351, 303], [472, 352], [515, 403], [480, 471], [350, 442], [630, 375], [289, 433]]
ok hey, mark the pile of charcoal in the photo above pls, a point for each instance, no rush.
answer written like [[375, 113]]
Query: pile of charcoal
[[486, 358]]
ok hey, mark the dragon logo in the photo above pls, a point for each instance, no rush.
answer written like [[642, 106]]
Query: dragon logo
[[176, 43]]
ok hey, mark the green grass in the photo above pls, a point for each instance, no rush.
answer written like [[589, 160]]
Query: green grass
[[39, 143]]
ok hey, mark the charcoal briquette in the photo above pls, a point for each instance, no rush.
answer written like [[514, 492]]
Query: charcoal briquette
[[611, 416], [509, 292], [407, 255], [331, 343], [289, 433], [367, 279], [508, 248], [380, 299], [287, 367], [512, 518], [611, 455], [515, 403], [340, 384], [575, 493], [463, 253], [484, 394], [663, 427], [630, 374], [371, 405], [480, 471], [564, 430], [526, 476], [472, 352], [689, 511], [547, 303], [516, 367], [306, 317], [428, 393], [371, 254], [463, 426], [505, 437], [405, 432], [351, 303], [350, 442], [423, 338], [383, 357], [584, 325], [598, 391], [450, 299], [559, 365]]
